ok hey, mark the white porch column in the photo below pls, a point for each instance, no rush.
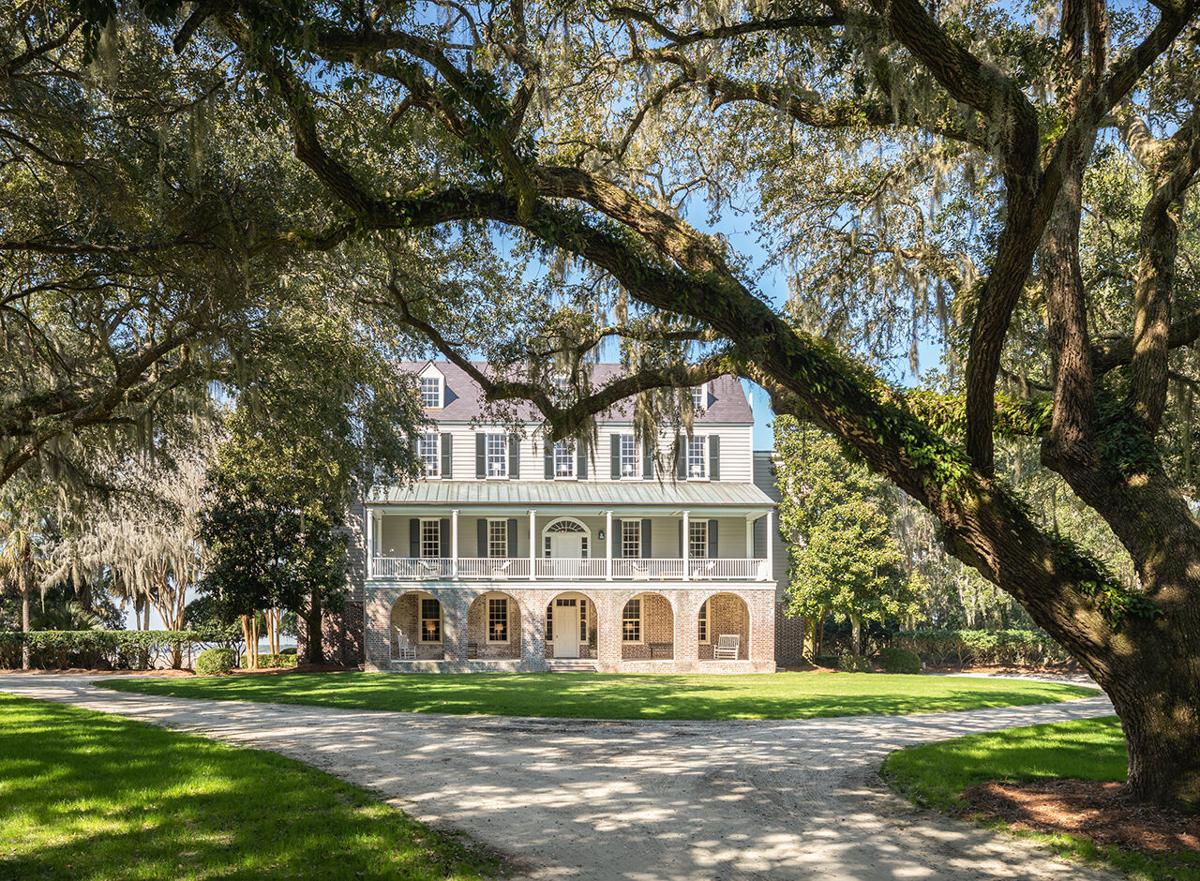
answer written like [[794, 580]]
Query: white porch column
[[454, 543], [685, 543], [608, 545], [749, 537], [770, 573], [369, 537], [533, 544]]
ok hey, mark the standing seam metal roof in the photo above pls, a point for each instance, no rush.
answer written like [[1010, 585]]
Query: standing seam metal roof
[[561, 492]]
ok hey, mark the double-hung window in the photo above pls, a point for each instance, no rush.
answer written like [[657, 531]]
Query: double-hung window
[[429, 452], [431, 391], [431, 620], [497, 539], [631, 538], [697, 457], [631, 621], [497, 619], [698, 540], [629, 456], [431, 538], [699, 397], [564, 458], [495, 453]]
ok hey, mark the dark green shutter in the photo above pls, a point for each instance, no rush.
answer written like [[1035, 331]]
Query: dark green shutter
[[514, 456], [548, 459], [647, 459], [414, 537], [480, 440], [714, 457], [618, 545], [712, 539], [447, 455], [481, 536], [581, 460], [681, 457], [646, 539], [616, 456], [512, 537], [444, 527]]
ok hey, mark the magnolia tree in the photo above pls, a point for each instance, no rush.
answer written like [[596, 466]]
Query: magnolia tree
[[530, 180]]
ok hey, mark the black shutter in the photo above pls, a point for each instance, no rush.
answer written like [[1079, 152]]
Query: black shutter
[[712, 539], [647, 459], [581, 460], [646, 539], [480, 440], [548, 459], [512, 537], [447, 455], [444, 527], [481, 536], [414, 537], [618, 545], [714, 457], [514, 456], [681, 457], [616, 456]]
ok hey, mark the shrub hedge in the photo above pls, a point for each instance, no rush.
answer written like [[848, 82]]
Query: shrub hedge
[[848, 662], [1015, 648], [212, 661], [269, 661], [110, 649], [894, 659]]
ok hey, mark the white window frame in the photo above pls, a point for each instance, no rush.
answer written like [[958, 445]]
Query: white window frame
[[699, 395], [697, 536], [631, 537], [423, 618], [438, 394], [507, 619], [631, 621], [564, 457], [704, 623], [697, 457], [435, 439], [490, 456], [423, 538], [492, 533], [628, 452], [550, 621]]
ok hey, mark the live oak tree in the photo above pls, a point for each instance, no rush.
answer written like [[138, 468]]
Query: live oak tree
[[955, 167]]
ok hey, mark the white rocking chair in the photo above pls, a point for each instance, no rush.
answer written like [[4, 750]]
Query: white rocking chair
[[500, 572], [727, 647], [405, 650]]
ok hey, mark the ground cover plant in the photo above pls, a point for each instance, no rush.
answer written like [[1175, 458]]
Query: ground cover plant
[[619, 696], [942, 775], [92, 797]]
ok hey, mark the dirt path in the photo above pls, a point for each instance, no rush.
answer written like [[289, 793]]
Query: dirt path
[[638, 801]]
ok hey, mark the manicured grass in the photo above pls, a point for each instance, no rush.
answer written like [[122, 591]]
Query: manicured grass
[[936, 774], [616, 696], [91, 797]]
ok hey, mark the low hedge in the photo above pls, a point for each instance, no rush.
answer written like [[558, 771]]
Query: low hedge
[[269, 661], [894, 659], [1006, 648], [848, 662], [110, 649], [212, 661]]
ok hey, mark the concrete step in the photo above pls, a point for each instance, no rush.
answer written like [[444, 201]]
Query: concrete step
[[571, 665]]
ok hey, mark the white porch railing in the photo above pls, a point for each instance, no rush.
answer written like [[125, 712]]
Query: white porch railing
[[623, 569]]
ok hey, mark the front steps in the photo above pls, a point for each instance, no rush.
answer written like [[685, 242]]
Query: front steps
[[571, 665]]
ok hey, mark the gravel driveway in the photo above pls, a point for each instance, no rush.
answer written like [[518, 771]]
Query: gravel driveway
[[639, 801]]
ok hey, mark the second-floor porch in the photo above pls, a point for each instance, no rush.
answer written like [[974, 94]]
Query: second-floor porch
[[719, 534]]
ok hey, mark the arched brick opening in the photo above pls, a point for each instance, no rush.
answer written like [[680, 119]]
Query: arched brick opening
[[652, 620], [417, 630], [494, 627], [723, 614], [580, 608]]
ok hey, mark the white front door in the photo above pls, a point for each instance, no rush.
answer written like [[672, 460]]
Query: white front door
[[566, 545], [566, 628]]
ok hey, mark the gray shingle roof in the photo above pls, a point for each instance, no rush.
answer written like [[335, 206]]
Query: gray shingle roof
[[464, 398], [639, 493]]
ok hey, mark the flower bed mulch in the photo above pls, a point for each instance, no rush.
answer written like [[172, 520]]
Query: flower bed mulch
[[1088, 808]]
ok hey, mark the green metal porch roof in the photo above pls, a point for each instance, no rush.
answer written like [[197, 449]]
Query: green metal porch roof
[[534, 493]]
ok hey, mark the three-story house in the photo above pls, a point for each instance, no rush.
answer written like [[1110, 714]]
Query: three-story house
[[511, 553]]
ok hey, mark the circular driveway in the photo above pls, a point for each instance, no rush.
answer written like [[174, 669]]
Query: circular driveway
[[637, 801]]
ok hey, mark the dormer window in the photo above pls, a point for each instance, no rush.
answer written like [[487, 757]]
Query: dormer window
[[700, 397], [697, 458], [431, 390]]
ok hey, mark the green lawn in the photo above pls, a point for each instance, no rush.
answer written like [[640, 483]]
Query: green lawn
[[617, 696], [91, 797], [936, 774]]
